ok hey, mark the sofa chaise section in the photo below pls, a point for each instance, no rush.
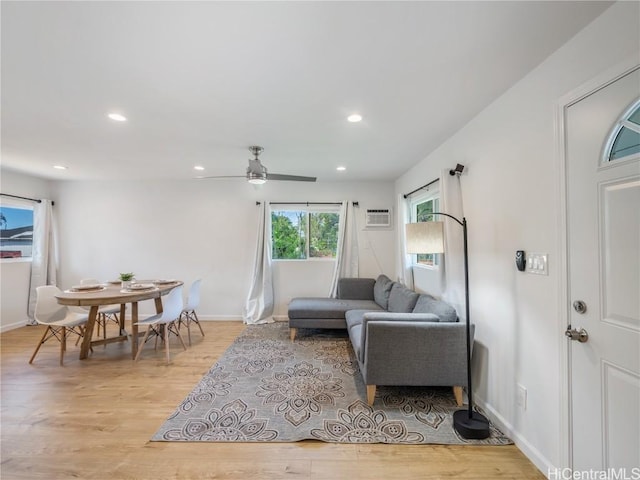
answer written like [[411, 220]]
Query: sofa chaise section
[[399, 337]]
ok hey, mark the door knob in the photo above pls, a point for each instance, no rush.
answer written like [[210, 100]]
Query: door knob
[[577, 335]]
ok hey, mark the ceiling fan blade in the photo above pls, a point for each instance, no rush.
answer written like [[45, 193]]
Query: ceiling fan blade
[[293, 178], [223, 176]]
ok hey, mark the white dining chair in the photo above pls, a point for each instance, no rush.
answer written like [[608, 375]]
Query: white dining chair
[[106, 313], [162, 324], [188, 313], [58, 319]]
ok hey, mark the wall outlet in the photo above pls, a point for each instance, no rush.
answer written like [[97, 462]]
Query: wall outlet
[[521, 396]]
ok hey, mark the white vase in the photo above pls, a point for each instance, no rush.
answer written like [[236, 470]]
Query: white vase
[[126, 284]]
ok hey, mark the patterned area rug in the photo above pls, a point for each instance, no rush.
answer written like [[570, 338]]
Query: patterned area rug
[[267, 389]]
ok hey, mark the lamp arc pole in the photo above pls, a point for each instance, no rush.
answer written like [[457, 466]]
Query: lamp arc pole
[[467, 423]]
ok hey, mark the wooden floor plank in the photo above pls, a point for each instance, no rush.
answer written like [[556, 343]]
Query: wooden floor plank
[[94, 418]]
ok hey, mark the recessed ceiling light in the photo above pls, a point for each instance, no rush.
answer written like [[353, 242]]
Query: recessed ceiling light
[[198, 167], [341, 168], [117, 117], [354, 118], [59, 167]]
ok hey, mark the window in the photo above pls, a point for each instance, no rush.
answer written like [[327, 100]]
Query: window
[[624, 140], [16, 231], [304, 234], [422, 208]]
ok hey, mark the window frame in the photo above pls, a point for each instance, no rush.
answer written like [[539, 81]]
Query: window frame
[[432, 194], [7, 202], [623, 122], [308, 210]]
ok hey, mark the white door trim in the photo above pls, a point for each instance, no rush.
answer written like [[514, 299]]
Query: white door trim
[[601, 81]]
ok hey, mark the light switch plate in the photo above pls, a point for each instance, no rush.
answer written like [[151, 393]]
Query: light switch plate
[[538, 263]]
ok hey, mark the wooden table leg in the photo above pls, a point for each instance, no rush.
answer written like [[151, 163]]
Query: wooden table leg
[[158, 301], [123, 309], [88, 332], [134, 329]]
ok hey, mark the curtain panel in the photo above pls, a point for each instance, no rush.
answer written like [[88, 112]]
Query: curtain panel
[[452, 263], [259, 304], [347, 249], [405, 262], [44, 261]]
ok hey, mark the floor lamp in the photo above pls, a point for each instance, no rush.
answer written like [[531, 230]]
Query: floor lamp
[[428, 237]]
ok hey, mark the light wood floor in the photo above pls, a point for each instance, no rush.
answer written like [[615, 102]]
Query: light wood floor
[[92, 419]]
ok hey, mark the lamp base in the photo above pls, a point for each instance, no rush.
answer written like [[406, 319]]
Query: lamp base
[[476, 427]]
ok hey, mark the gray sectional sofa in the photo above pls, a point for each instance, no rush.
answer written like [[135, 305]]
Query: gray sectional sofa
[[399, 337]]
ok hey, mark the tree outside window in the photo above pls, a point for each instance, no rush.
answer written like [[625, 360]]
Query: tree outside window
[[303, 235]]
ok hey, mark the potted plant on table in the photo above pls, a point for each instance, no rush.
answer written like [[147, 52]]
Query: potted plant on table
[[126, 279]]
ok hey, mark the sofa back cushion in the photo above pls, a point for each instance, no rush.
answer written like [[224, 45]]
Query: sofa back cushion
[[401, 299], [428, 304], [381, 290], [355, 288]]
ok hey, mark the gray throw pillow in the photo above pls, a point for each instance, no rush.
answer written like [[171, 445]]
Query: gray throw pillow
[[401, 299], [428, 304], [381, 290]]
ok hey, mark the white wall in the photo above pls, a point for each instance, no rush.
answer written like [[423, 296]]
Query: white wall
[[200, 228], [15, 274], [511, 200]]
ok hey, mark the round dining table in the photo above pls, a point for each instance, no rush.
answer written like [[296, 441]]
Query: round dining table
[[112, 293]]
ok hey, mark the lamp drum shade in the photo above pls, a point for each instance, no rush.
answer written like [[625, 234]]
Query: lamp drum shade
[[425, 237]]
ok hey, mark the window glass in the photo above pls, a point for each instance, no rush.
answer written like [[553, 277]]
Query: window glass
[[421, 211], [302, 234], [626, 143], [16, 231], [624, 139]]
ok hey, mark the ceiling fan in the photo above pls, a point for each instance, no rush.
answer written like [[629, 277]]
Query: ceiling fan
[[257, 173]]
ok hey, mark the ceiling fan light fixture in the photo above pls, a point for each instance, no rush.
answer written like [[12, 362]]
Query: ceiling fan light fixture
[[256, 180]]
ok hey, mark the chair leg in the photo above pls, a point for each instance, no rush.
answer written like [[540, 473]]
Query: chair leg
[[177, 330], [141, 345], [292, 333], [166, 343], [63, 344], [188, 323], [42, 340], [197, 320]]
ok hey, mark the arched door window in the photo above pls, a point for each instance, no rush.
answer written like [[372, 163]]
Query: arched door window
[[624, 139]]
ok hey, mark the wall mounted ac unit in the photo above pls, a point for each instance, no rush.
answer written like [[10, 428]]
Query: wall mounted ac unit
[[378, 217]]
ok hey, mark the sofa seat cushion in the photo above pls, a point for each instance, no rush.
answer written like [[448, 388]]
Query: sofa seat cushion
[[327, 307], [354, 317], [428, 304], [401, 299]]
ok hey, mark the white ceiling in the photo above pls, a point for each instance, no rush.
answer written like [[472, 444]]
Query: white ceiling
[[201, 81]]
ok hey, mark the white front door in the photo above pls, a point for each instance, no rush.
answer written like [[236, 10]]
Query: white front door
[[603, 203]]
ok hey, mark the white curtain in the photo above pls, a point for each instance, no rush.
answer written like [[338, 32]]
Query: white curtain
[[259, 305], [347, 249], [405, 263], [452, 263], [44, 261]]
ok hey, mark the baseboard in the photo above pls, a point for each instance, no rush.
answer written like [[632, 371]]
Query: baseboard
[[12, 326], [220, 318], [532, 453]]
